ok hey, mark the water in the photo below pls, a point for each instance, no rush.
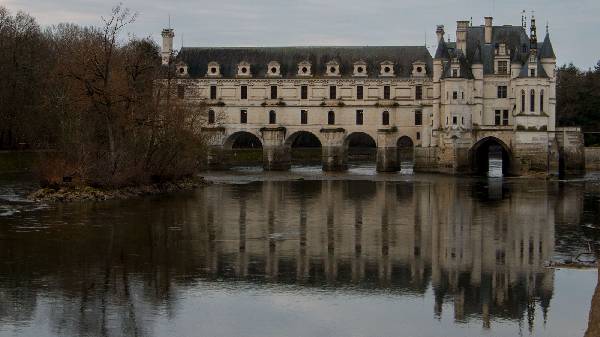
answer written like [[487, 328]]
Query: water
[[303, 253]]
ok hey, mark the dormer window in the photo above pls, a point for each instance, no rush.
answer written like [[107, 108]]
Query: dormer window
[[387, 68], [181, 69], [418, 69], [333, 68], [502, 67], [273, 69], [214, 70], [360, 69], [304, 68], [532, 72], [244, 69], [455, 72]]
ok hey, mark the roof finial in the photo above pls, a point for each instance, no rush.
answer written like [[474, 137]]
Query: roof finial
[[523, 22], [169, 21], [547, 27], [533, 35]]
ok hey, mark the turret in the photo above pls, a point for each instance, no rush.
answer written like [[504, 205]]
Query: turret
[[547, 56], [167, 45]]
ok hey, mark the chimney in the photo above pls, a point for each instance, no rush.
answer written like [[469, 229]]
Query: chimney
[[167, 45], [488, 29], [440, 32], [461, 35]]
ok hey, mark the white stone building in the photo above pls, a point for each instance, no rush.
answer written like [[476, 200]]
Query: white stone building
[[493, 90]]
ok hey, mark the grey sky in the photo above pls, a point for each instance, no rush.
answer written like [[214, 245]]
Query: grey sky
[[574, 25]]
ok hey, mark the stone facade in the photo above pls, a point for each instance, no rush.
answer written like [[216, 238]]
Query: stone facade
[[492, 89]]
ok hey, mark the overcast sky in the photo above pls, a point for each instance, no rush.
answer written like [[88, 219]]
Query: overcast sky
[[574, 25]]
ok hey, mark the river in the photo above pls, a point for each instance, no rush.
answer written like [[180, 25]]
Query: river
[[304, 253]]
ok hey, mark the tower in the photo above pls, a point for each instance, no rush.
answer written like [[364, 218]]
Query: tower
[[167, 45]]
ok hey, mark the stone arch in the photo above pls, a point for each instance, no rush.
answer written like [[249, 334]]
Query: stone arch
[[480, 154], [304, 147], [406, 152], [360, 146], [242, 140]]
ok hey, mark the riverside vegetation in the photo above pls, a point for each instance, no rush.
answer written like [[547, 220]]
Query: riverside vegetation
[[89, 98]]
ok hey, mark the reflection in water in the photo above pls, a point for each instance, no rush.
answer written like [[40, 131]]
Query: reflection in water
[[476, 248]]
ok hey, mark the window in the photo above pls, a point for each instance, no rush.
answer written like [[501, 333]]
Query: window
[[462, 94], [419, 92], [180, 91], [385, 118], [304, 92], [503, 67], [332, 92], [502, 91], [454, 120], [243, 117], [418, 117], [330, 118], [211, 117], [359, 117], [532, 72], [213, 92], [272, 117], [497, 117], [303, 117], [273, 92], [244, 92], [462, 120], [386, 92], [455, 95], [522, 100], [359, 92], [454, 72], [541, 101], [532, 101], [504, 117], [418, 136]]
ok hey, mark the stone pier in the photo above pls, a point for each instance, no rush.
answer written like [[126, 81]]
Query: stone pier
[[387, 152], [334, 150], [276, 155]]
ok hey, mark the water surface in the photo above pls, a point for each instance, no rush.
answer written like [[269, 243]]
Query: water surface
[[304, 253]]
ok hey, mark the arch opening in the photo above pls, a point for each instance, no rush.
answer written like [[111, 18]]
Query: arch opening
[[406, 154], [490, 157], [361, 148], [244, 148], [305, 148]]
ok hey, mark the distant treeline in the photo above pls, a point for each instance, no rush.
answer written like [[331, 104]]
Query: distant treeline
[[88, 93], [578, 100]]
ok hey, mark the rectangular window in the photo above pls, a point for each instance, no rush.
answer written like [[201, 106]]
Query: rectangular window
[[359, 117], [359, 92], [418, 117], [454, 120], [273, 92], [504, 117], [418, 136], [532, 72], [386, 92], [419, 92], [303, 117], [454, 72], [502, 91], [332, 92], [497, 117], [180, 91], [213, 92], [532, 101], [455, 95], [462, 94], [502, 67], [244, 92], [243, 116], [304, 92]]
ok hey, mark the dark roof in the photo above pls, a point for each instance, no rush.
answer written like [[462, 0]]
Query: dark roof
[[514, 37], [546, 51], [540, 72], [228, 58], [442, 50]]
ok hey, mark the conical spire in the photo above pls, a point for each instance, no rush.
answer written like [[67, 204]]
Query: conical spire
[[547, 52], [477, 56]]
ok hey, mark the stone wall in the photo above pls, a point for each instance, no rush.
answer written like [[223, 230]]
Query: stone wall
[[572, 150], [592, 159]]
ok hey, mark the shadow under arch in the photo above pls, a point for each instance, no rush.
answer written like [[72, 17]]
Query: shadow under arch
[[305, 147], [360, 146], [486, 148], [406, 152], [243, 148]]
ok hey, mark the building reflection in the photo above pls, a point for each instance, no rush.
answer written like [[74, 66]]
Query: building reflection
[[479, 246]]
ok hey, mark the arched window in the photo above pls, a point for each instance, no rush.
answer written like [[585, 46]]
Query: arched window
[[272, 117], [541, 101], [532, 101], [303, 117], [385, 118], [359, 117], [330, 118], [211, 117], [243, 116], [522, 100]]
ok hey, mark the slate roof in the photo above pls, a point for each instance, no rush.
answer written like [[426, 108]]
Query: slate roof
[[546, 51], [197, 59]]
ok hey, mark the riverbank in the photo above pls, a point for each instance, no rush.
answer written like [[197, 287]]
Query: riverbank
[[88, 193]]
